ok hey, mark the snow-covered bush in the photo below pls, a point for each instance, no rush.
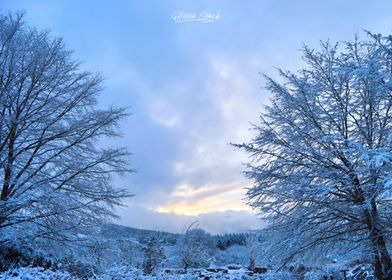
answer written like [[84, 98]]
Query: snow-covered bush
[[235, 254], [35, 273]]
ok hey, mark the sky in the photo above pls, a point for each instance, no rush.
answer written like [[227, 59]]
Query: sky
[[193, 88]]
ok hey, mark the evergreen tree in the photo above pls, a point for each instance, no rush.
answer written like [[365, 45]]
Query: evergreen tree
[[153, 256]]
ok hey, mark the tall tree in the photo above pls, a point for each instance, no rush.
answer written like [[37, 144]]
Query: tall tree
[[55, 174], [322, 157]]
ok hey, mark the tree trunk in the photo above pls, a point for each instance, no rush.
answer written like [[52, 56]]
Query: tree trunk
[[381, 257], [8, 166], [377, 264]]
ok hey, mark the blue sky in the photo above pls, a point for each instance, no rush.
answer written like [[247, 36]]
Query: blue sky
[[193, 88]]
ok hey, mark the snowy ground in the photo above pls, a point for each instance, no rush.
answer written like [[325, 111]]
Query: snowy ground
[[128, 273]]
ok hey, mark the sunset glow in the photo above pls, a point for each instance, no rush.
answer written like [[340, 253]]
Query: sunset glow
[[186, 203]]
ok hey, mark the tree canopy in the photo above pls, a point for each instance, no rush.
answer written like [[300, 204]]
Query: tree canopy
[[55, 172], [321, 158]]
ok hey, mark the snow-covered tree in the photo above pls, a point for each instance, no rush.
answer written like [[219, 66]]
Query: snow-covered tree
[[253, 247], [55, 175], [194, 248], [153, 256], [322, 156]]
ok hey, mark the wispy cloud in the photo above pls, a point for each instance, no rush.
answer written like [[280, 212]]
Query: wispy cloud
[[186, 200], [207, 169]]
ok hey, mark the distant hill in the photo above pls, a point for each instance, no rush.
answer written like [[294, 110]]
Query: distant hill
[[114, 231], [119, 232]]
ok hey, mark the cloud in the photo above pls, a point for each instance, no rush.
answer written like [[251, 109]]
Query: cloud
[[163, 114], [204, 115], [204, 179], [187, 200]]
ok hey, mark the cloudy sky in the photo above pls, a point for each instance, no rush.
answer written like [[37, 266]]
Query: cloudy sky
[[193, 88]]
